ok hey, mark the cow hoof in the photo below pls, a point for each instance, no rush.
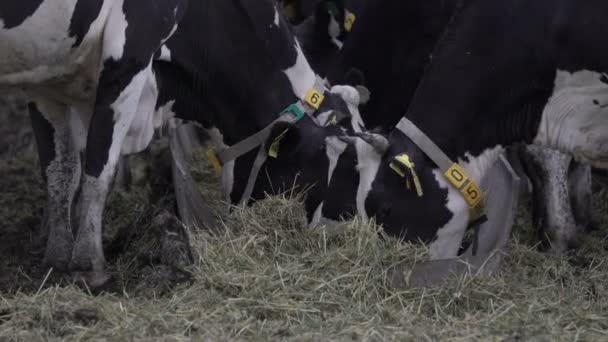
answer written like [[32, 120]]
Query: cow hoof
[[86, 259], [96, 281]]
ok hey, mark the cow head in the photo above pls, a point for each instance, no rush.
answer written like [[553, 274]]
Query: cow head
[[415, 203], [322, 34], [236, 78], [309, 155]]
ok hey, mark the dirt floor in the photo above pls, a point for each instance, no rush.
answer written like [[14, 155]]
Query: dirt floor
[[269, 278]]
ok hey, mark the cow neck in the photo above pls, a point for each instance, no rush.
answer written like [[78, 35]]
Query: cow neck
[[453, 172], [293, 113], [307, 93], [306, 105], [469, 104]]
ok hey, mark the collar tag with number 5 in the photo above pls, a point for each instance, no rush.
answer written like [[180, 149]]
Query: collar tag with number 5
[[459, 178]]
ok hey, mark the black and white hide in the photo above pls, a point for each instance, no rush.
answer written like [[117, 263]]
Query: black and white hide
[[392, 44], [489, 84], [86, 69]]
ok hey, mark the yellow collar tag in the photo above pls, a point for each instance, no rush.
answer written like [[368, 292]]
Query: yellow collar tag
[[314, 98], [349, 21], [214, 160], [459, 178], [273, 150], [401, 165]]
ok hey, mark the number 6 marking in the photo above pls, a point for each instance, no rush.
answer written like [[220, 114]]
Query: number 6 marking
[[314, 98]]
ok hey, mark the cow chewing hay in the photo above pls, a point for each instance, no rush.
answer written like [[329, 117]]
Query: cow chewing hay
[[268, 277]]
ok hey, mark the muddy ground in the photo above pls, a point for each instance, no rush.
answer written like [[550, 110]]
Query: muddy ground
[[139, 219]]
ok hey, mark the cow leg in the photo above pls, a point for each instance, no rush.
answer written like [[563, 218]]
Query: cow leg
[[112, 116], [580, 197], [552, 209], [123, 177], [43, 132], [60, 163]]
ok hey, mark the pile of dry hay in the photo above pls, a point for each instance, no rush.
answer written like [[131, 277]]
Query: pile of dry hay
[[268, 277]]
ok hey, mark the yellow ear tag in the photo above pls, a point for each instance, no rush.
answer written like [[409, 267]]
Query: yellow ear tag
[[459, 178], [349, 21], [273, 150], [406, 163], [314, 98], [214, 160]]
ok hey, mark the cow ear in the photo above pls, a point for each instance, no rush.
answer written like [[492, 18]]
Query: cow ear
[[283, 139], [355, 78], [330, 11]]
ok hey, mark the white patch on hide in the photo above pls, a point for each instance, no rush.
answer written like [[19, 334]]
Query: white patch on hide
[[37, 56], [125, 109], [276, 17], [351, 96], [575, 120], [368, 163], [165, 54], [317, 216], [478, 167], [449, 237], [300, 75], [334, 32], [334, 149], [145, 121], [115, 35]]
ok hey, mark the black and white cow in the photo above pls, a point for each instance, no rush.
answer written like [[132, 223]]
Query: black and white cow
[[85, 67], [230, 64], [490, 83], [234, 99], [392, 44], [323, 32]]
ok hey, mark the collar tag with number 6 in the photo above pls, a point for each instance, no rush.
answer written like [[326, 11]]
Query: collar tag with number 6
[[314, 98]]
